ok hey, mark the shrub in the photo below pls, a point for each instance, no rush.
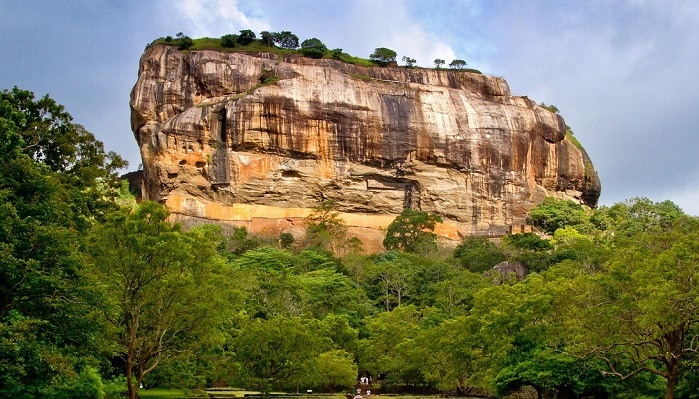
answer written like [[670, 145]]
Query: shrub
[[229, 40], [313, 48]]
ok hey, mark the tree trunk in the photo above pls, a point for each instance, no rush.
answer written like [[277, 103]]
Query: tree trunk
[[673, 371], [133, 390]]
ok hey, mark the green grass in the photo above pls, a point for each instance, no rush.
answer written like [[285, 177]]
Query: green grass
[[365, 78], [258, 46], [572, 137], [170, 393]]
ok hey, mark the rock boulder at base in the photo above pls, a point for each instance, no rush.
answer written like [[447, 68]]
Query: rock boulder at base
[[259, 140]]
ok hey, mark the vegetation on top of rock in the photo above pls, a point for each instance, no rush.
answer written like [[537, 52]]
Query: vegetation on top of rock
[[286, 42], [383, 55]]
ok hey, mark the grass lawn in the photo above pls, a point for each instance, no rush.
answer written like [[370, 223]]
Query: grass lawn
[[169, 393]]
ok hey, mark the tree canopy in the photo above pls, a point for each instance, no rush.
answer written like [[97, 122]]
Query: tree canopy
[[92, 287], [383, 55], [412, 231], [313, 48]]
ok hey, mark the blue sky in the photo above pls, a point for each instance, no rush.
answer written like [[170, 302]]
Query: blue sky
[[623, 72]]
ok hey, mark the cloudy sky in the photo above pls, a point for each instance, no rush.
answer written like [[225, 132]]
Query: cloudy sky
[[623, 73]]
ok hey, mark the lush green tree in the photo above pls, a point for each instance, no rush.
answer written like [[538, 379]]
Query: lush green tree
[[457, 64], [530, 250], [337, 327], [336, 368], [527, 241], [412, 231], [453, 355], [286, 240], [278, 352], [161, 286], [239, 241], [269, 280], [43, 130], [521, 327], [392, 279], [286, 39], [438, 62], [267, 38], [246, 37], [454, 296], [326, 291], [379, 352], [325, 229], [229, 40], [409, 62], [635, 216], [383, 55], [313, 48], [553, 214], [639, 314], [184, 42], [336, 53], [54, 183], [428, 270], [478, 254]]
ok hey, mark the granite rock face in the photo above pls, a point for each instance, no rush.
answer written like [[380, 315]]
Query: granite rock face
[[259, 140]]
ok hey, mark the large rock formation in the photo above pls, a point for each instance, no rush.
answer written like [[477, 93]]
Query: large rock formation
[[259, 140]]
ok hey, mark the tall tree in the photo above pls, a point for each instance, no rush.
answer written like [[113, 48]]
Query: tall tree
[[409, 62], [457, 64], [412, 231], [278, 352], [162, 285], [246, 37], [640, 313], [336, 368], [267, 38], [326, 230], [383, 55], [553, 214], [286, 39], [53, 180]]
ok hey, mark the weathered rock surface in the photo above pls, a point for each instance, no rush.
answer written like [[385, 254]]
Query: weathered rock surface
[[259, 140]]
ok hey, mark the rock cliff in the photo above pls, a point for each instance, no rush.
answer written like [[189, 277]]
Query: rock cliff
[[259, 140]]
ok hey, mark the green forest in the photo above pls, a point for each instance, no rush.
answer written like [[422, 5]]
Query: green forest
[[101, 295]]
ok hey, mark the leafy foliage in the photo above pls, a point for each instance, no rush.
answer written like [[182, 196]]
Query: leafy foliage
[[383, 55], [409, 62], [553, 214], [286, 39], [313, 48], [154, 276], [478, 254], [457, 64], [246, 37], [54, 182], [608, 308], [412, 231]]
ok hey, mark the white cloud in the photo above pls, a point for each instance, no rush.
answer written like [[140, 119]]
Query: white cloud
[[214, 18], [413, 41]]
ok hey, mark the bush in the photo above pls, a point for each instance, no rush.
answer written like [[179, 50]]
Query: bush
[[313, 48], [286, 39], [184, 43], [478, 254], [246, 37], [229, 41]]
